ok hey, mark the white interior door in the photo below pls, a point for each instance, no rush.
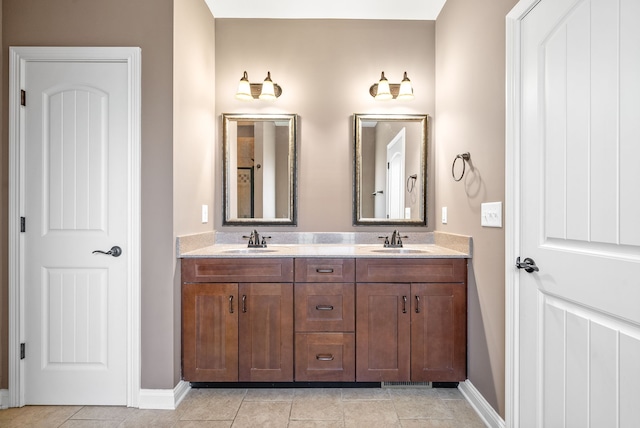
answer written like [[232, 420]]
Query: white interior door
[[76, 200], [577, 328], [395, 176]]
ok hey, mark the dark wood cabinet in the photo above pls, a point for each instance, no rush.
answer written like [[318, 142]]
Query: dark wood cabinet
[[342, 320], [438, 332], [383, 343], [210, 332], [240, 330], [408, 328], [266, 332], [325, 320]]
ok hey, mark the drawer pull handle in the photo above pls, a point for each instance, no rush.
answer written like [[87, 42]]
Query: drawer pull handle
[[231, 304], [324, 357], [324, 270], [417, 304], [324, 307], [404, 304], [244, 303]]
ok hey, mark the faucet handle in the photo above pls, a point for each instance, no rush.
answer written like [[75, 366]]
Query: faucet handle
[[263, 240], [386, 239], [399, 241]]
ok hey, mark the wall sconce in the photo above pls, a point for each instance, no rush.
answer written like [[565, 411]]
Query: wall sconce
[[383, 90], [266, 90]]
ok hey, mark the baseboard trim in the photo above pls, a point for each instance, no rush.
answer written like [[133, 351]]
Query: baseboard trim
[[163, 399], [489, 416], [4, 398]]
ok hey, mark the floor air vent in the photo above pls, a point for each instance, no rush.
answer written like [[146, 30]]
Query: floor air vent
[[406, 385]]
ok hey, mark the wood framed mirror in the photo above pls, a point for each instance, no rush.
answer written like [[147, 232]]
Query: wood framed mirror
[[390, 169], [259, 169]]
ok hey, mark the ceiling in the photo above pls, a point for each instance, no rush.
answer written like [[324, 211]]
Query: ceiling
[[327, 9]]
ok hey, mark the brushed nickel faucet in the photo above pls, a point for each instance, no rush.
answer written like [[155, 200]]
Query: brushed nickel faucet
[[396, 240], [254, 240]]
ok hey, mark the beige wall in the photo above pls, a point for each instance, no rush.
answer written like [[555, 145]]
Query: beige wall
[[193, 131], [470, 116], [302, 55], [148, 24], [325, 68]]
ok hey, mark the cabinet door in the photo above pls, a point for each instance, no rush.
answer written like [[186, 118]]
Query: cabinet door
[[210, 332], [382, 332], [438, 332], [266, 332]]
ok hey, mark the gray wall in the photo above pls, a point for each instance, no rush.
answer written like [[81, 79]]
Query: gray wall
[[470, 116], [325, 68]]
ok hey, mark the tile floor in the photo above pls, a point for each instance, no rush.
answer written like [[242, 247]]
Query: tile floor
[[287, 408]]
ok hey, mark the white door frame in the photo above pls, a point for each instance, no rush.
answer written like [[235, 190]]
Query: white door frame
[[512, 206], [18, 57]]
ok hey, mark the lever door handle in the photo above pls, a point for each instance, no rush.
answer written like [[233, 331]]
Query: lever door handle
[[527, 264], [115, 251]]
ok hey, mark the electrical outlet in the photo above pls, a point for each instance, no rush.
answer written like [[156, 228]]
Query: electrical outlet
[[205, 213], [491, 214], [444, 215]]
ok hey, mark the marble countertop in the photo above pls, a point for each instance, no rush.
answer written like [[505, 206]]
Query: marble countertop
[[326, 250]]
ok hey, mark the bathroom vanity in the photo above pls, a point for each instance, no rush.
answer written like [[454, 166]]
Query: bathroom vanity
[[309, 313]]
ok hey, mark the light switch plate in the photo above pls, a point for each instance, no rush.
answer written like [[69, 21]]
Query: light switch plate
[[491, 214], [444, 215], [205, 213]]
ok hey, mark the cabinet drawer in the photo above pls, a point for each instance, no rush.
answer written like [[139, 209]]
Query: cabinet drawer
[[237, 270], [324, 307], [325, 357], [324, 270], [411, 270]]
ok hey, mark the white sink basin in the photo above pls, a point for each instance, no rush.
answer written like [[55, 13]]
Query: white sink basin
[[250, 250], [401, 251]]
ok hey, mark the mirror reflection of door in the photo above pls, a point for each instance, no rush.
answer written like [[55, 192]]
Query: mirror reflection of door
[[395, 176]]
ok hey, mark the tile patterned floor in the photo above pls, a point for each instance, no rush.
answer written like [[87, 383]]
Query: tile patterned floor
[[286, 408]]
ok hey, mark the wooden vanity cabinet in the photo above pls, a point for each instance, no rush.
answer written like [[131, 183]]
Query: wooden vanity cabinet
[[411, 320], [324, 320], [210, 332], [237, 320]]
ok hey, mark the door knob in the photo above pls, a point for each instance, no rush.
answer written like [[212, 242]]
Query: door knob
[[527, 264], [115, 251]]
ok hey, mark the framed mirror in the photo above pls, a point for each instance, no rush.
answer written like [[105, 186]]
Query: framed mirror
[[259, 169], [390, 174]]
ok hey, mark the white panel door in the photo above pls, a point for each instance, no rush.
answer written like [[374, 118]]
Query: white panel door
[[76, 196], [395, 176], [579, 315]]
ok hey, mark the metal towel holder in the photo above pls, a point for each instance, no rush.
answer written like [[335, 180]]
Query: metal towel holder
[[465, 158]]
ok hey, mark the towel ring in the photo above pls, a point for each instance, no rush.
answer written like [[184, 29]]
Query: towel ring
[[465, 158]]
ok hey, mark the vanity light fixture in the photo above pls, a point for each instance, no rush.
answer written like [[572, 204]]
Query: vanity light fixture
[[383, 90], [266, 90]]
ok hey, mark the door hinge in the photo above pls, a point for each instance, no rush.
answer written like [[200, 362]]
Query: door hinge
[[23, 97], [23, 224], [23, 352]]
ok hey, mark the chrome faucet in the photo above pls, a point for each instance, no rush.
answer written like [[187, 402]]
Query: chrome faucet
[[396, 240], [254, 240]]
